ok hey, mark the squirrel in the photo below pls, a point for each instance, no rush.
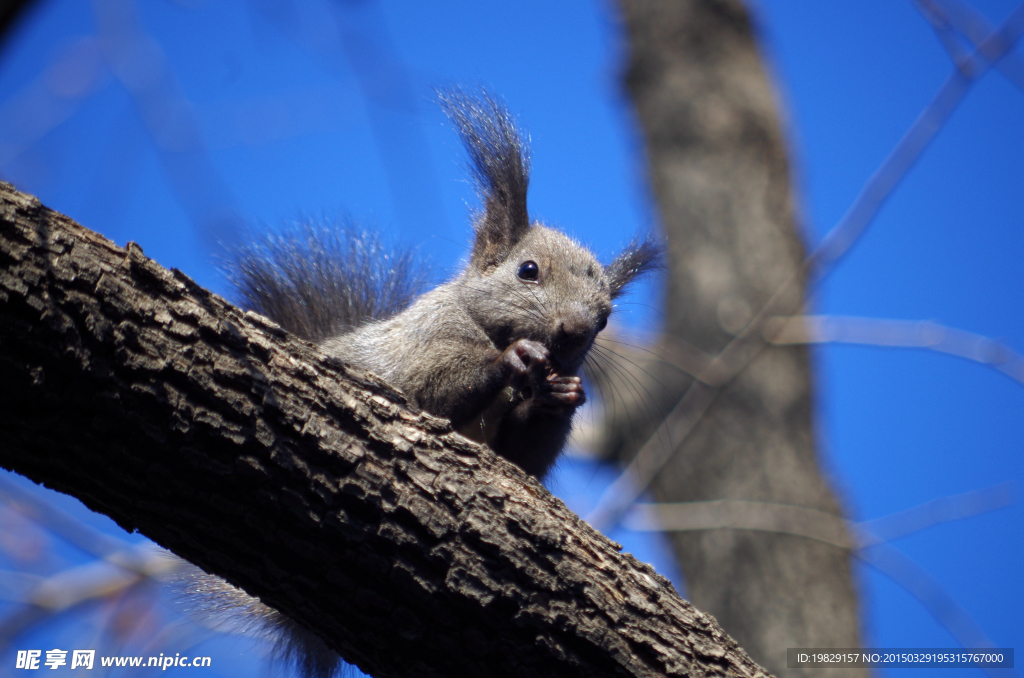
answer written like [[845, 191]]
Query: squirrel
[[496, 350]]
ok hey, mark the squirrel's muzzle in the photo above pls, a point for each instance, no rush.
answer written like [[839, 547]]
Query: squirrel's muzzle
[[573, 335]]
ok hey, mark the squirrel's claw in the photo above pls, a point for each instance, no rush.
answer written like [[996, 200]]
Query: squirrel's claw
[[529, 362], [561, 392], [534, 379]]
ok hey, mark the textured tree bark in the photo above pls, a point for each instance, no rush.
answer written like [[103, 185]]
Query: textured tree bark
[[411, 550], [718, 166]]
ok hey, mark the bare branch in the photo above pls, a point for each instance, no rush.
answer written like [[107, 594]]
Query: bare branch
[[734, 514], [915, 580], [924, 334], [936, 512], [140, 66], [58, 522], [49, 99], [950, 16], [881, 184], [69, 589], [262, 460], [738, 514], [867, 540]]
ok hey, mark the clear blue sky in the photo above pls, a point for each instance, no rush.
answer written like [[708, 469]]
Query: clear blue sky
[[274, 117]]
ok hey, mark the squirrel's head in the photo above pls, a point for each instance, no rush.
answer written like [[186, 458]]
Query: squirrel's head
[[527, 280]]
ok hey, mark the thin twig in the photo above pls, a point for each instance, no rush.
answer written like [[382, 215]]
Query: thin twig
[[924, 334], [867, 541], [829, 528], [50, 99], [740, 514], [936, 512], [139, 64], [950, 16], [94, 580], [57, 521], [916, 581]]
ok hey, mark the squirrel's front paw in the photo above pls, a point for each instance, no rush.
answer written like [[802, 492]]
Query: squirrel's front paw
[[529, 363], [534, 379], [561, 393]]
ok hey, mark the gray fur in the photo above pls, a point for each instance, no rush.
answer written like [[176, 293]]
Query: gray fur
[[495, 353], [231, 609], [500, 160], [638, 259], [443, 350], [316, 279]]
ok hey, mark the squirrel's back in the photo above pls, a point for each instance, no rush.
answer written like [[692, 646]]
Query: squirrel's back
[[405, 348]]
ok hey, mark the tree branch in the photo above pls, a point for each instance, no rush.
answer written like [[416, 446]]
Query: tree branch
[[925, 334], [411, 550]]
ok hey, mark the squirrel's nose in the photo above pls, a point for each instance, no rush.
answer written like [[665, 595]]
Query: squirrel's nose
[[575, 329]]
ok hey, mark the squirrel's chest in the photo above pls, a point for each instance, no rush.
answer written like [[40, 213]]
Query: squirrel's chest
[[483, 428]]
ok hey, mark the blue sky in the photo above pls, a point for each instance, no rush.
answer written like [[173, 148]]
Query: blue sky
[[276, 118]]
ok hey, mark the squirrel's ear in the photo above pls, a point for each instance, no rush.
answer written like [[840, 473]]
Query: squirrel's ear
[[501, 165], [639, 257]]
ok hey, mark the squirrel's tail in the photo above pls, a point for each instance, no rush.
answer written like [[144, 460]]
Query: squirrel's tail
[[211, 599], [320, 279]]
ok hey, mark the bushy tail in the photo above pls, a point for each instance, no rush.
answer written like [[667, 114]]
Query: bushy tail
[[320, 279], [212, 600]]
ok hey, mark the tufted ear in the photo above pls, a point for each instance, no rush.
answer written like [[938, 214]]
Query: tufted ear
[[501, 165], [639, 258]]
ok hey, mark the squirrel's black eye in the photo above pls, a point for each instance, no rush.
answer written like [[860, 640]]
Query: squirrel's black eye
[[529, 271], [601, 323]]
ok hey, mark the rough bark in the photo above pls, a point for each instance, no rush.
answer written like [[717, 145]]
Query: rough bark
[[411, 550], [718, 166]]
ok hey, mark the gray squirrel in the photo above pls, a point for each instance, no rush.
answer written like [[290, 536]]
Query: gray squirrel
[[497, 350]]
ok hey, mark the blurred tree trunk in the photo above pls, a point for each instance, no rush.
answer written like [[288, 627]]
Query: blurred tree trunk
[[719, 170]]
